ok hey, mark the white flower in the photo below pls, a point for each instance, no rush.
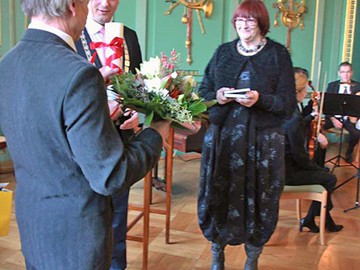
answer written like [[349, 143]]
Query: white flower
[[188, 79], [154, 85], [174, 75], [194, 96], [151, 68]]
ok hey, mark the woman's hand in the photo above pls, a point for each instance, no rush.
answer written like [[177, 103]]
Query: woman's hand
[[220, 97], [251, 98]]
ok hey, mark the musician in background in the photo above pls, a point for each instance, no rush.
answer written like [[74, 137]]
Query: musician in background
[[344, 86], [300, 169], [310, 114]]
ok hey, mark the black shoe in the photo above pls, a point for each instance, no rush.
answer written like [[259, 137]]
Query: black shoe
[[349, 158], [310, 225], [334, 227], [159, 184], [348, 155]]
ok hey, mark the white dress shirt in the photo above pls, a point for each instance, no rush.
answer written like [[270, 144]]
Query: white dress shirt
[[96, 33], [40, 25], [344, 89]]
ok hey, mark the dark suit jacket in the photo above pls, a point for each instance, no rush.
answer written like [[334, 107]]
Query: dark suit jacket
[[296, 155], [131, 41], [135, 60], [333, 87], [67, 154]]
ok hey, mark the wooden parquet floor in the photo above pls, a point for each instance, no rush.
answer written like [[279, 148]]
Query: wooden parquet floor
[[188, 249]]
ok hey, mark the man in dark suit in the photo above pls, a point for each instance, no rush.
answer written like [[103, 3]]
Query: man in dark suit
[[344, 86], [67, 154], [101, 12]]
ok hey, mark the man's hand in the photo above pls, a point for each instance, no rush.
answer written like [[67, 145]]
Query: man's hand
[[106, 72], [336, 123], [132, 122], [322, 140], [163, 128], [115, 109]]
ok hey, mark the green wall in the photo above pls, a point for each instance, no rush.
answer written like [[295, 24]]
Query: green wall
[[318, 45], [320, 41], [12, 24], [164, 33]]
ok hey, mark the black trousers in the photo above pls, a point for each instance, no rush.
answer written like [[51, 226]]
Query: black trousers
[[354, 133], [307, 177]]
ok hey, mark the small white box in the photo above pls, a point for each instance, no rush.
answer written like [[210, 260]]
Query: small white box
[[236, 93]]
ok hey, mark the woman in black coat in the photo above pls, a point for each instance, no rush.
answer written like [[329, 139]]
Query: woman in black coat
[[242, 167]]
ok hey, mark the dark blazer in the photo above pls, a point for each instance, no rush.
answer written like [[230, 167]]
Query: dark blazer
[[135, 60], [333, 87], [67, 154]]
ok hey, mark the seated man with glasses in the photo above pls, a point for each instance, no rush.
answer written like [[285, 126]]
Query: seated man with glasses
[[344, 86]]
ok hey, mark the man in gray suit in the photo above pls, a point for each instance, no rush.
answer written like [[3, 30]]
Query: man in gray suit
[[67, 155]]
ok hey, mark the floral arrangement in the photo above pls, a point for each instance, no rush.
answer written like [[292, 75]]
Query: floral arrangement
[[160, 91]]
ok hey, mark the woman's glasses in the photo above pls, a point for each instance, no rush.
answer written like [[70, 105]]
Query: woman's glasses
[[249, 21]]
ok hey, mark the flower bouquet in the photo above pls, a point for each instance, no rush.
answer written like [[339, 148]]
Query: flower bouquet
[[161, 92]]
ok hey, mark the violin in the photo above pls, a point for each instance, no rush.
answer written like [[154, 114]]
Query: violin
[[312, 136], [316, 125]]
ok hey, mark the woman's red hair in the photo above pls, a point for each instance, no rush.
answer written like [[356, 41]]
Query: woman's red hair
[[255, 9]]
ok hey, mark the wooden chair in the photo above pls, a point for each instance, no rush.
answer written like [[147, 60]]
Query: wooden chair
[[308, 192], [144, 213], [2, 145], [2, 142], [168, 180], [8, 169], [145, 209]]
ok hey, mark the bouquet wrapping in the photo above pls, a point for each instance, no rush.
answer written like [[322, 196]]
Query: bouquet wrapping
[[161, 92]]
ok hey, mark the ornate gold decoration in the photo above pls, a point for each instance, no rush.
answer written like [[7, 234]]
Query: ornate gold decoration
[[350, 20], [292, 15], [206, 6]]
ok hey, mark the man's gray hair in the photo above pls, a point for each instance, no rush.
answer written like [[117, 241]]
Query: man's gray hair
[[49, 8]]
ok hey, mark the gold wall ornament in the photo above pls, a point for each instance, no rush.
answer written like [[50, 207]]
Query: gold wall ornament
[[206, 6], [292, 15], [349, 32]]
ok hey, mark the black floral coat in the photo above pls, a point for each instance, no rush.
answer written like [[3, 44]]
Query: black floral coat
[[242, 167]]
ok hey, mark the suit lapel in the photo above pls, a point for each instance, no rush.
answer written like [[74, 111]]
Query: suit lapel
[[88, 41]]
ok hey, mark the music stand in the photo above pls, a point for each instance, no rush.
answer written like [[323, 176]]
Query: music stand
[[345, 105]]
